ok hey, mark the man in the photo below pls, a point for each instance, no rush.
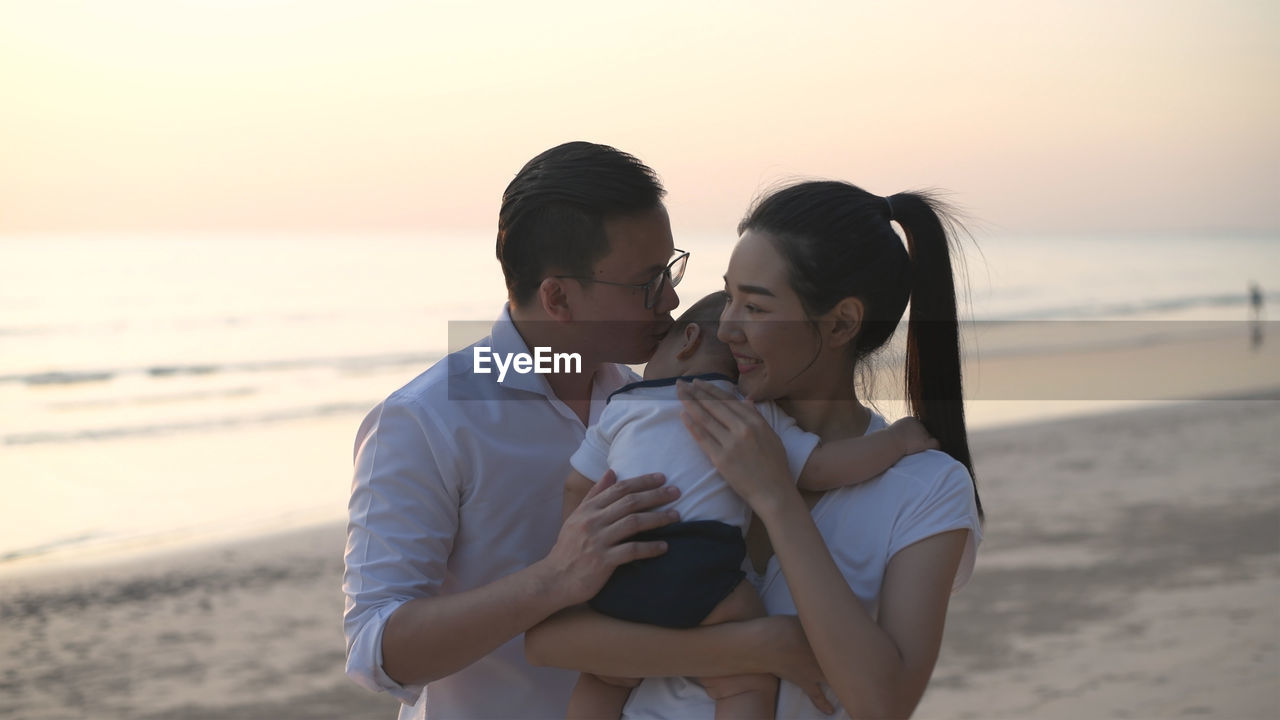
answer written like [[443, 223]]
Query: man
[[454, 545]]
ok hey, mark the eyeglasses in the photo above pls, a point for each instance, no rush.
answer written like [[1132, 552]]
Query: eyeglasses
[[673, 272]]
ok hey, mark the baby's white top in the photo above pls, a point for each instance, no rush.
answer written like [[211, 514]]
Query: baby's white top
[[641, 432]]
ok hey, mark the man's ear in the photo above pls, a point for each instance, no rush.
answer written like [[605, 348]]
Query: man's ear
[[846, 321], [692, 339], [554, 299]]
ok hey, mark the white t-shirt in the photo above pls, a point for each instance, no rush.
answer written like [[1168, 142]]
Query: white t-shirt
[[459, 481], [864, 526], [641, 432]]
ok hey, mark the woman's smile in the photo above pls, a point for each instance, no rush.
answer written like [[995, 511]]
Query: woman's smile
[[746, 363]]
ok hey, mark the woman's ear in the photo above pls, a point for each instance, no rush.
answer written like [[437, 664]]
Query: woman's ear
[[692, 339], [554, 299], [846, 321]]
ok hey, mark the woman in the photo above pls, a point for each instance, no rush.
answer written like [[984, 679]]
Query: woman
[[817, 284]]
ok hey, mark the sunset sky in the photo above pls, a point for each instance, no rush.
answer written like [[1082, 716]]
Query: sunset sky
[[344, 116]]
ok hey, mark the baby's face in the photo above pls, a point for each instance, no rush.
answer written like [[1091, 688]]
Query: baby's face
[[706, 357], [665, 361]]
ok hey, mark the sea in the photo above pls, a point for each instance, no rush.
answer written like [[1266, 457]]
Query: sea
[[167, 389]]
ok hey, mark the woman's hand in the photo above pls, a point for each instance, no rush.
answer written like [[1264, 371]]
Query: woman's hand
[[789, 657], [737, 440], [794, 660]]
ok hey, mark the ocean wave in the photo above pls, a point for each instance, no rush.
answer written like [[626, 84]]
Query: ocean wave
[[1130, 308], [62, 378], [45, 548], [155, 399], [178, 323], [359, 363], [228, 422]]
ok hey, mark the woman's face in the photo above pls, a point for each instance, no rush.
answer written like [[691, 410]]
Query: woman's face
[[764, 323]]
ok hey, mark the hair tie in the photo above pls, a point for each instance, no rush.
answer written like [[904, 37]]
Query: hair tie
[[889, 205]]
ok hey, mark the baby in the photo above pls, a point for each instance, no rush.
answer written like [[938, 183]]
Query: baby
[[700, 579]]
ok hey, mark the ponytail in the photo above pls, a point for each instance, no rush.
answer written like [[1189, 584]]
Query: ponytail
[[933, 366], [838, 242]]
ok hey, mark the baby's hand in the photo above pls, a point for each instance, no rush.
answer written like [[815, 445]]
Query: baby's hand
[[912, 437]]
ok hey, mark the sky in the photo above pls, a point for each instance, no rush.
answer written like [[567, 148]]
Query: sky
[[380, 115]]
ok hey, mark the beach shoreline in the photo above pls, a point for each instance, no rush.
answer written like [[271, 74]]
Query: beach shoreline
[[128, 496], [1130, 567]]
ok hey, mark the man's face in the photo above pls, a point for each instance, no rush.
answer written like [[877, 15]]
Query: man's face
[[618, 325]]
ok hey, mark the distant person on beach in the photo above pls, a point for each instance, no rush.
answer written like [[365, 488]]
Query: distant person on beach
[[455, 545], [818, 283], [699, 580], [1255, 315]]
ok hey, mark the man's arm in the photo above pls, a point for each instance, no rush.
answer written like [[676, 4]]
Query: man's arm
[[464, 627], [401, 629]]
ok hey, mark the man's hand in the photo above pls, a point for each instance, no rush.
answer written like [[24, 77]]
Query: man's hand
[[594, 538]]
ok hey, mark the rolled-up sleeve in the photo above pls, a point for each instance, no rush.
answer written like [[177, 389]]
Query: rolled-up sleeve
[[592, 457], [403, 518]]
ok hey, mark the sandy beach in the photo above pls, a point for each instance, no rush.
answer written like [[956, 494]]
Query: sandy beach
[[229, 231], [1130, 570]]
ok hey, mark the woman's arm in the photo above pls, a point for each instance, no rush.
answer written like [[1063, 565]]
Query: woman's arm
[[581, 639], [877, 670]]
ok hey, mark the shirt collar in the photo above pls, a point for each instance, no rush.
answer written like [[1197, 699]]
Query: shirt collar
[[505, 339], [660, 382]]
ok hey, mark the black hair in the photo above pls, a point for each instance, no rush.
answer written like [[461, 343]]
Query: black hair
[[554, 210], [838, 242], [706, 315]]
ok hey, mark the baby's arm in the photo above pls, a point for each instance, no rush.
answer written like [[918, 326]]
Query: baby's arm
[[857, 460], [593, 696], [576, 488]]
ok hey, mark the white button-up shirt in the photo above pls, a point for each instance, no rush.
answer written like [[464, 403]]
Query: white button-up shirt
[[459, 480]]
